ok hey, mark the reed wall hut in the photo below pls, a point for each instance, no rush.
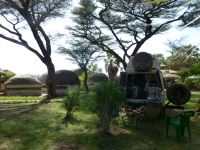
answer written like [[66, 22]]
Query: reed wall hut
[[97, 78], [23, 85], [64, 79]]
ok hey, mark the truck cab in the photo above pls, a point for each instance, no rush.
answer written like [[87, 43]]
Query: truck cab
[[143, 82]]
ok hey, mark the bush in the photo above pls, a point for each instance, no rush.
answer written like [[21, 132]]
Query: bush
[[184, 73], [193, 84], [8, 75], [71, 100], [109, 97]]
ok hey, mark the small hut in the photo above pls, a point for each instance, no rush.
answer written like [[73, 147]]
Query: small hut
[[97, 78], [64, 79], [23, 85]]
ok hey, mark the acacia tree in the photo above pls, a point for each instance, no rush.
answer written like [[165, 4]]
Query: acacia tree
[[192, 16], [182, 56], [121, 27], [83, 54], [18, 14]]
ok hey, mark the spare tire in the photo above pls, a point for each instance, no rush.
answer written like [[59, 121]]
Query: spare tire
[[178, 94], [142, 61]]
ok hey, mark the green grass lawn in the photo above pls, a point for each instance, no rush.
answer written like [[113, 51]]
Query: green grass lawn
[[43, 128]]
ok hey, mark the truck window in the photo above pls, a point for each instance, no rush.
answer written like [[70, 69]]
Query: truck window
[[135, 86]]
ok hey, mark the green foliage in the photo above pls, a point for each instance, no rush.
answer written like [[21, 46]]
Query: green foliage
[[190, 76], [71, 100], [81, 78], [8, 75], [109, 97], [193, 83], [195, 69], [184, 73], [94, 68]]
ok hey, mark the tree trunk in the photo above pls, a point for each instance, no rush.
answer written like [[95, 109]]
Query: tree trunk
[[104, 117], [68, 115], [50, 83], [85, 80]]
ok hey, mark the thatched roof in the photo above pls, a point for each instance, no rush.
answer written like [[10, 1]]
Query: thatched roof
[[98, 77], [63, 77], [32, 75], [43, 78], [23, 79], [66, 77]]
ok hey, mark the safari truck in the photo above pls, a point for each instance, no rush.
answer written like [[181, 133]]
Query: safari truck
[[144, 85]]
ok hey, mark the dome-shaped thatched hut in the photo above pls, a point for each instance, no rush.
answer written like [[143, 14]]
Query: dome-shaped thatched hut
[[64, 79], [43, 78], [23, 85], [97, 78]]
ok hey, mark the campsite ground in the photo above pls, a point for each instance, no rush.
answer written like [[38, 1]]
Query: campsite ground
[[29, 125]]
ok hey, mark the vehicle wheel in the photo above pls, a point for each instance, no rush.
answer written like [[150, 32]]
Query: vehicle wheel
[[142, 61], [178, 94]]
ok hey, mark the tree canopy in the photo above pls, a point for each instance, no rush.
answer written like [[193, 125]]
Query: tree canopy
[[192, 18], [183, 56], [121, 27], [83, 54]]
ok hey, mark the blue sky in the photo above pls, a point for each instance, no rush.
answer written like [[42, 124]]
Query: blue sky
[[21, 61]]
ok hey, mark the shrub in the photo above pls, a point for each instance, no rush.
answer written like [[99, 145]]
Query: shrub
[[71, 100], [184, 73], [193, 83], [109, 97], [8, 75]]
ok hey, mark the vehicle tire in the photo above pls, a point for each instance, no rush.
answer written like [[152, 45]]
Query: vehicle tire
[[142, 61], [178, 94]]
